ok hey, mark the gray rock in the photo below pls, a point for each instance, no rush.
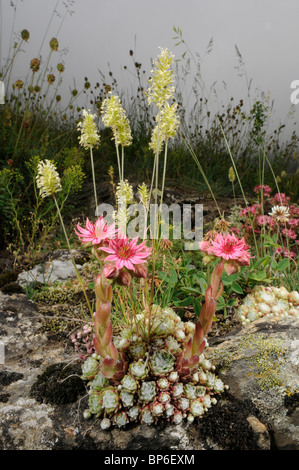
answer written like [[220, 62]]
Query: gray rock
[[261, 364], [40, 410], [20, 326], [58, 269]]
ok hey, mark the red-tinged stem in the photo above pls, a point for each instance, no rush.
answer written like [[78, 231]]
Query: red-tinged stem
[[208, 310]]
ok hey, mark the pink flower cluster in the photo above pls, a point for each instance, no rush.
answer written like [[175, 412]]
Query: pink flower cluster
[[83, 342], [280, 199], [122, 252], [258, 218], [96, 233], [233, 251], [126, 253], [263, 189]]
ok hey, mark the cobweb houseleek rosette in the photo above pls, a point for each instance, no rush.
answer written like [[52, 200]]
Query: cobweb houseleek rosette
[[270, 301], [151, 390], [89, 139], [48, 182]]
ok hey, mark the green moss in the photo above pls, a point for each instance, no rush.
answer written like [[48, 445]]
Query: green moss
[[55, 325], [54, 295], [268, 354], [265, 356]]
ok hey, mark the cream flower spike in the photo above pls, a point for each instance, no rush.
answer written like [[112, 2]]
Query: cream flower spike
[[161, 87], [47, 179], [167, 128], [114, 116], [89, 133]]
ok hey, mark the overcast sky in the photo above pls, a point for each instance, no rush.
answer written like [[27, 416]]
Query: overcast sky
[[103, 31]]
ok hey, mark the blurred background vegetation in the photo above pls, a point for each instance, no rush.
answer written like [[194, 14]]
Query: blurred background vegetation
[[37, 122]]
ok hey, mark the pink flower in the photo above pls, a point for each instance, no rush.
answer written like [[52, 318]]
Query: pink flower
[[233, 251], [95, 233], [267, 190], [289, 254], [279, 250], [206, 247], [293, 222], [271, 222], [263, 219], [110, 271], [235, 230], [243, 212], [126, 253], [294, 211], [281, 199], [229, 247], [289, 233], [254, 209]]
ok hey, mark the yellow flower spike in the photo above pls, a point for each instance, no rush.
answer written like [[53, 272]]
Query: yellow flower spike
[[47, 179], [167, 127], [169, 121], [89, 133], [115, 117], [156, 143], [143, 194], [161, 88], [231, 175]]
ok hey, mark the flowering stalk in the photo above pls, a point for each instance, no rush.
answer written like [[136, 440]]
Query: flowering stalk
[[90, 139], [123, 256], [160, 91], [233, 254], [232, 177], [115, 117], [48, 182], [70, 250], [114, 364], [189, 358]]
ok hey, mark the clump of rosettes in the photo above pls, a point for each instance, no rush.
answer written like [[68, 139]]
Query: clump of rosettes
[[152, 389], [269, 300]]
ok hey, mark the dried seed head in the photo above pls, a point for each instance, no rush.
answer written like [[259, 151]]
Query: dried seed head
[[35, 65], [51, 78], [60, 68], [54, 44], [18, 84], [25, 34]]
